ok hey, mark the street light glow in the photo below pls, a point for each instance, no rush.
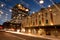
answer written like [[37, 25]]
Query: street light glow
[[10, 10], [2, 5], [27, 10], [51, 23], [18, 30], [29, 30], [23, 30], [33, 12], [49, 5], [19, 5], [41, 1]]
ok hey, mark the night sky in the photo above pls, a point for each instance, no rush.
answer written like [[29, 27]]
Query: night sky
[[33, 5]]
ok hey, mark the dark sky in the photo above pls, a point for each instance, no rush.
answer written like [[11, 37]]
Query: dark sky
[[33, 5]]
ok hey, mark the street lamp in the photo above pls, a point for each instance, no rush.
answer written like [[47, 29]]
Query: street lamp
[[41, 1], [2, 5], [33, 12], [10, 10], [49, 5]]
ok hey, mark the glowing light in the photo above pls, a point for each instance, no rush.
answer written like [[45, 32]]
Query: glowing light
[[49, 5], [39, 13], [42, 24], [36, 25], [28, 16], [41, 1], [23, 30], [10, 10], [2, 5], [19, 5], [27, 10], [50, 9], [18, 30], [30, 25], [41, 31], [33, 12], [22, 15], [51, 23], [29, 30]]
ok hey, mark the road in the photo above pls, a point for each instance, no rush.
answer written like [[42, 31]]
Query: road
[[10, 36]]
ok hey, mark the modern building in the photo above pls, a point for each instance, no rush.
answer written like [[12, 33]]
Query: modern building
[[19, 12], [44, 22]]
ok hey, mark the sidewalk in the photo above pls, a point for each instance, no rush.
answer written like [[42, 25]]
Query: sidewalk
[[46, 37]]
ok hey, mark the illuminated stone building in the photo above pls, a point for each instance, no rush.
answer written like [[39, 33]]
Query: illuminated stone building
[[19, 12], [44, 22]]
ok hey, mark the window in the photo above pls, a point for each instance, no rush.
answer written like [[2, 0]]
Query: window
[[46, 21], [33, 23], [46, 14], [39, 16], [39, 22]]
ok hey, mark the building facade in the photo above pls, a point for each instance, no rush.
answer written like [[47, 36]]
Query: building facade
[[19, 12], [44, 22]]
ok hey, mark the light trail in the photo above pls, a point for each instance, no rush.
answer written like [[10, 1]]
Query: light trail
[[55, 6]]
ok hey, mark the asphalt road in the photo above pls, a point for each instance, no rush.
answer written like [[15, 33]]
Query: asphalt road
[[10, 36]]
